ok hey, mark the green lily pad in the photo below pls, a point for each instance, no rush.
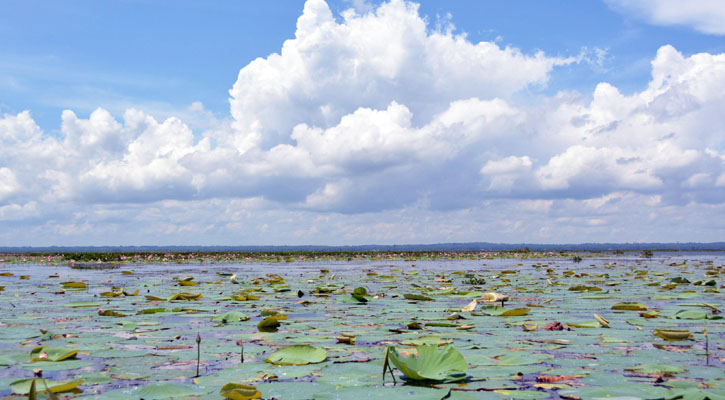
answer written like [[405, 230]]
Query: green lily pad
[[231, 316], [80, 304], [417, 297], [629, 306], [22, 386], [658, 369], [690, 314], [43, 353], [237, 391], [430, 364], [429, 340], [299, 354]]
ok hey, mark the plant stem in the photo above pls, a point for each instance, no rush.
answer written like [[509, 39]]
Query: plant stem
[[707, 348], [198, 353]]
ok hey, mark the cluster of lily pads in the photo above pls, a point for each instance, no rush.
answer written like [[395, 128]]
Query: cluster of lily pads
[[422, 329], [196, 257]]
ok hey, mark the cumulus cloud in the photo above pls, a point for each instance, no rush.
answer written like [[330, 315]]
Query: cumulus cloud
[[378, 116], [371, 60], [705, 16]]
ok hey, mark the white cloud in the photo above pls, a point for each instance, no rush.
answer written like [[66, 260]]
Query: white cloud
[[331, 69], [706, 16], [8, 183], [361, 124]]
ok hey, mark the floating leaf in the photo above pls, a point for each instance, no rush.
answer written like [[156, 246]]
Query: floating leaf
[[43, 353], [186, 296], [504, 312], [237, 391], [417, 297], [515, 312], [231, 316], [655, 369], [649, 314], [74, 285], [80, 304], [271, 323], [603, 322], [299, 354], [431, 340], [629, 306], [441, 324], [470, 307], [430, 364], [690, 314], [110, 313], [360, 291], [589, 324], [584, 288], [151, 311], [23, 386], [673, 334]]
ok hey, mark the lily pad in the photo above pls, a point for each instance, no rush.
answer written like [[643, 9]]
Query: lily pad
[[185, 296], [231, 316], [43, 353], [430, 364], [299, 354], [673, 334], [656, 369], [22, 386], [237, 391], [629, 306]]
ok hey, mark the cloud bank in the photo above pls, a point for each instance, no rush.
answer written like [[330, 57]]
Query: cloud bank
[[374, 127], [705, 16]]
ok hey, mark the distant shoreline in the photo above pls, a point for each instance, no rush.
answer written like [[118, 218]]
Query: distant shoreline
[[439, 247]]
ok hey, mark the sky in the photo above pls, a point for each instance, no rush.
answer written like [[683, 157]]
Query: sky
[[347, 122]]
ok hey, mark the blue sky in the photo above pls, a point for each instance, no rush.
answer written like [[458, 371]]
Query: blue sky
[[536, 122]]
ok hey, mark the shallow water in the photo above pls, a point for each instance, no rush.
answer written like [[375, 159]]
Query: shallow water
[[125, 351]]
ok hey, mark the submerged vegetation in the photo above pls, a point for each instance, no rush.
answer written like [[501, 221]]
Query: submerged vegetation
[[453, 325]]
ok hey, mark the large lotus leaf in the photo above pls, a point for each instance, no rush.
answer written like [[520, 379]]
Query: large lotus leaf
[[22, 386], [298, 354], [231, 316], [43, 353], [430, 364]]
